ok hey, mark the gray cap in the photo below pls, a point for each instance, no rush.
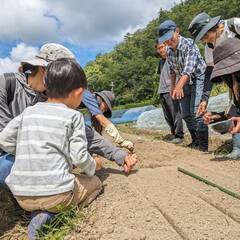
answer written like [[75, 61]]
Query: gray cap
[[109, 98], [48, 53]]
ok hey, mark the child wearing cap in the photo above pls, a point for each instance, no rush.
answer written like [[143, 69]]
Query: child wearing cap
[[187, 72], [48, 139]]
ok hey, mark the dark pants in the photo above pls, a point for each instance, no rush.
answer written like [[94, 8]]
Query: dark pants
[[189, 105], [172, 114]]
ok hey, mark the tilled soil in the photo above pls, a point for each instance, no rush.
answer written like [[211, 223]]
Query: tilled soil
[[157, 202]]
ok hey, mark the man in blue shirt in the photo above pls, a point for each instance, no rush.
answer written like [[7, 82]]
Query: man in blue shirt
[[100, 106], [187, 69]]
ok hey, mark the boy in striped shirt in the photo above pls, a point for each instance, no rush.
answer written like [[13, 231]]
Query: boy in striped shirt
[[48, 139]]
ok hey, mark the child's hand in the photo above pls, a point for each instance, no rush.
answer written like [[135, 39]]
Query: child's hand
[[99, 163], [129, 162]]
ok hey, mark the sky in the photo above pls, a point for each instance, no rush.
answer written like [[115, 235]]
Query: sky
[[86, 27]]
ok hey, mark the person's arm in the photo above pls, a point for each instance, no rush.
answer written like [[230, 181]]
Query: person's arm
[[207, 84], [213, 117], [91, 104], [78, 147], [5, 114], [99, 145], [178, 90], [8, 136], [206, 92]]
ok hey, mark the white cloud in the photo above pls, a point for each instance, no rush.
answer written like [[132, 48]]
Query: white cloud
[[81, 21], [17, 54]]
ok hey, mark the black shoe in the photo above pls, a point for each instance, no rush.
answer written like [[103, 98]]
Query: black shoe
[[193, 145], [203, 141]]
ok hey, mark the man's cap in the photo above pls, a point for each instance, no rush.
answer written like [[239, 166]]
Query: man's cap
[[201, 24], [166, 30], [226, 57], [109, 98], [48, 53]]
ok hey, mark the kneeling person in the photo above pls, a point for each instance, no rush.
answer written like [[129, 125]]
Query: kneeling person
[[48, 139]]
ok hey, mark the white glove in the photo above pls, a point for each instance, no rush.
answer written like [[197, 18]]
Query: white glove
[[112, 131], [127, 144]]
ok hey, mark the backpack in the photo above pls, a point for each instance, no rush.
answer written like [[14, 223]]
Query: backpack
[[10, 79]]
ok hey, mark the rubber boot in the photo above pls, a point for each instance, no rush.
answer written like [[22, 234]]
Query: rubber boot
[[235, 154], [194, 143], [38, 219], [203, 141]]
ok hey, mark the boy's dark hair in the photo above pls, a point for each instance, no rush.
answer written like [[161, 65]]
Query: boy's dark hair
[[63, 76]]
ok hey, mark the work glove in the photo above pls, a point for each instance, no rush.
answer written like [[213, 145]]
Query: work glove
[[128, 145], [112, 131]]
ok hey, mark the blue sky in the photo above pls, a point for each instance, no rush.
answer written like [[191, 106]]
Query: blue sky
[[85, 27]]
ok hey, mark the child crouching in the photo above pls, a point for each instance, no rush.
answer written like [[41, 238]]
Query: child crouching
[[48, 139]]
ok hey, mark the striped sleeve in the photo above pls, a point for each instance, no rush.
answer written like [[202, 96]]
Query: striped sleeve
[[78, 147], [8, 137]]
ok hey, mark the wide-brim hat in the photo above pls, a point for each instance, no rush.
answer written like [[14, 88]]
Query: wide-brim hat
[[109, 98], [49, 52], [201, 24], [226, 58]]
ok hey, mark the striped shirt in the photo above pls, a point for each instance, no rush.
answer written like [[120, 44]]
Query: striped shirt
[[186, 59], [47, 139]]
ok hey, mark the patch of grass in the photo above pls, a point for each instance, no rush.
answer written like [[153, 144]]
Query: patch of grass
[[62, 224]]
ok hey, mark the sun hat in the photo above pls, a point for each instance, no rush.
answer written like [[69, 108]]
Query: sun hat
[[201, 24], [226, 57]]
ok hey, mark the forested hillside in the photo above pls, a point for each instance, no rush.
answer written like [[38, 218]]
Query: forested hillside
[[131, 65]]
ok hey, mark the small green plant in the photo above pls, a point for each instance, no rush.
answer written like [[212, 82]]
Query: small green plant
[[62, 224]]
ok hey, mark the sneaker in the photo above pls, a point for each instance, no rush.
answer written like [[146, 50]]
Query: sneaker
[[193, 145], [168, 138], [38, 219], [176, 140]]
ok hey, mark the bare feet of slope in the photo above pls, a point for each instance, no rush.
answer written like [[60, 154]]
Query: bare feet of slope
[[158, 202]]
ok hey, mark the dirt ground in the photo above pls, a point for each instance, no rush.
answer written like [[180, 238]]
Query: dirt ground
[[159, 203]]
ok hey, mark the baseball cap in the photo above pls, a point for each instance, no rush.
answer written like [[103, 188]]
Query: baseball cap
[[166, 30], [48, 53]]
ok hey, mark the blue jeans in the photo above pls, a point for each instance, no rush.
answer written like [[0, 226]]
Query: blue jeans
[[6, 163], [189, 105]]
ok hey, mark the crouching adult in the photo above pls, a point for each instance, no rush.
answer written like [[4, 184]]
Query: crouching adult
[[227, 70]]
